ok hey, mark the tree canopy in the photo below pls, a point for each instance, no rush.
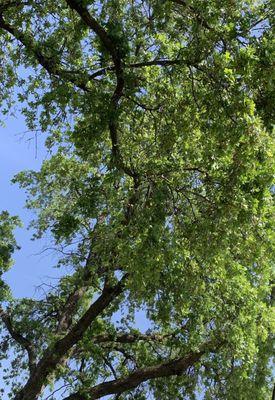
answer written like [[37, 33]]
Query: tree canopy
[[157, 198]]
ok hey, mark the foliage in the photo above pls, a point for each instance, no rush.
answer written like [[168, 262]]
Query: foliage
[[158, 195]]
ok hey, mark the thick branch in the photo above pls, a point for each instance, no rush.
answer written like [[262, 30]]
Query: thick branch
[[95, 26], [20, 339], [85, 274], [113, 49], [54, 355], [141, 64], [73, 298], [107, 42], [171, 368], [69, 308]]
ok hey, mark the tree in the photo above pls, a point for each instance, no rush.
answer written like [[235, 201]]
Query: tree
[[157, 196]]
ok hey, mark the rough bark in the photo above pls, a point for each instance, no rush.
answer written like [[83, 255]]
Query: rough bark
[[54, 355]]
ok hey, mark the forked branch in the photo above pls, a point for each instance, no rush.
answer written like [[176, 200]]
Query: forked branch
[[19, 338], [57, 353], [173, 367]]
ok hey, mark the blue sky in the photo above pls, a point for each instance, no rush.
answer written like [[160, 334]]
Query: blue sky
[[18, 151]]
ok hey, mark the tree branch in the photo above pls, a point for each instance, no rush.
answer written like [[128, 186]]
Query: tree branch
[[174, 367], [113, 49], [20, 339], [126, 338], [96, 27], [50, 64], [141, 64], [56, 354], [73, 298], [161, 62], [107, 42]]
